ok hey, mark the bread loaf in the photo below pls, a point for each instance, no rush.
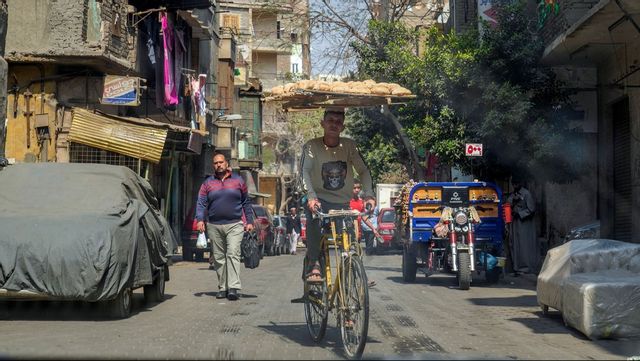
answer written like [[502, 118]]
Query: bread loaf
[[277, 90], [380, 90], [400, 91]]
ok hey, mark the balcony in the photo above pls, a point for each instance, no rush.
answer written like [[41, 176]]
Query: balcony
[[587, 31], [272, 45]]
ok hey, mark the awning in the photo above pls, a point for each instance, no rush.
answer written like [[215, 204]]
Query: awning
[[136, 137], [605, 28]]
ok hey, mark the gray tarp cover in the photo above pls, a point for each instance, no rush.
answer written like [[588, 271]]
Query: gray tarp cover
[[79, 231]]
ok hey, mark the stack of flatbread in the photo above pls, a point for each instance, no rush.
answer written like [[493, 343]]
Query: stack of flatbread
[[366, 87]]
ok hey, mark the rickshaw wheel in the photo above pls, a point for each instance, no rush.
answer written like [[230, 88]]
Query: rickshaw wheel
[[493, 275], [409, 264], [464, 271]]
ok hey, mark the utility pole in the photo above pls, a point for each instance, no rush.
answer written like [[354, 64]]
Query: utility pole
[[4, 67], [418, 172]]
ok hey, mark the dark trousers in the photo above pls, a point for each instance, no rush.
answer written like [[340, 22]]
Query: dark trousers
[[314, 231], [368, 242]]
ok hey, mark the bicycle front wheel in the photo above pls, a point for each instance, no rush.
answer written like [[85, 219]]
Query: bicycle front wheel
[[316, 310], [354, 310], [316, 306]]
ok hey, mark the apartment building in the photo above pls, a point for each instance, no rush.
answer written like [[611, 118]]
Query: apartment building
[[272, 48], [121, 82]]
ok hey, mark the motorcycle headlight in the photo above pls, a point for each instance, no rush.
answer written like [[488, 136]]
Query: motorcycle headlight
[[461, 218]]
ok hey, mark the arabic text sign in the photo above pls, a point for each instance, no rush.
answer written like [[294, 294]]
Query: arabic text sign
[[121, 90]]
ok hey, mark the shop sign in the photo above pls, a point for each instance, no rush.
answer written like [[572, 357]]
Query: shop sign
[[473, 149], [121, 90]]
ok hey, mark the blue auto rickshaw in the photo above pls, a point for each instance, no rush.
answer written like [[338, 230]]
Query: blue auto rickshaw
[[472, 240]]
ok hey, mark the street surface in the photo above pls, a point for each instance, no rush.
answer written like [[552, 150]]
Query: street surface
[[430, 319]]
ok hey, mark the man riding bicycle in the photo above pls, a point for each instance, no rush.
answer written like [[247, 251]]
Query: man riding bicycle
[[328, 177]]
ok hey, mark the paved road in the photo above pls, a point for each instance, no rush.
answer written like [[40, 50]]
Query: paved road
[[429, 319]]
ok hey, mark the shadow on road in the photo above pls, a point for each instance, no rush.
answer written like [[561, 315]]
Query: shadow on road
[[449, 280], [375, 268], [214, 293], [297, 332], [548, 325], [519, 301], [553, 323], [45, 310], [437, 280]]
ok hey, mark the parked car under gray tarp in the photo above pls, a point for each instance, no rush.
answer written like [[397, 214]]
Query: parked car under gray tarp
[[88, 232]]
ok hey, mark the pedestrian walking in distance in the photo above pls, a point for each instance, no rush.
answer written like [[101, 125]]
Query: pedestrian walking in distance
[[294, 227], [525, 249]]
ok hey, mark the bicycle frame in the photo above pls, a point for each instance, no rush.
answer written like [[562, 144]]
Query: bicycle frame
[[345, 291], [344, 243]]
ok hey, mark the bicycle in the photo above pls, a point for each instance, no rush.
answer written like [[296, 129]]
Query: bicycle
[[345, 292]]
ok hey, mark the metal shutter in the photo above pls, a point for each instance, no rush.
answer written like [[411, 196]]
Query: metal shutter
[[622, 171]]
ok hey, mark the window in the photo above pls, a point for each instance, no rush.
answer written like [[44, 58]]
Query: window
[[294, 68], [389, 217], [231, 22], [80, 153], [278, 29]]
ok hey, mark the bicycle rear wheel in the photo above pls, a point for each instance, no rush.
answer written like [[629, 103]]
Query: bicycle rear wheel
[[353, 314]]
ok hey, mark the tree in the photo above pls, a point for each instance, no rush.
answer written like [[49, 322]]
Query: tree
[[443, 70], [492, 91], [293, 130], [335, 25]]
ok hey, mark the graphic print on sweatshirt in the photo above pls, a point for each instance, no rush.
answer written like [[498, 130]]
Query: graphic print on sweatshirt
[[333, 175]]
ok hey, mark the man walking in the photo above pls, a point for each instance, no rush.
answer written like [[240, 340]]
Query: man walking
[[293, 228], [223, 197]]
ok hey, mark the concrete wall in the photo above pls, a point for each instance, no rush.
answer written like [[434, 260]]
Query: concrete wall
[[68, 28], [574, 204], [264, 25], [608, 72], [42, 101], [265, 67], [3, 73]]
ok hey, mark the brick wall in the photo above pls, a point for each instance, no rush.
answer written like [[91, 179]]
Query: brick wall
[[69, 28], [463, 15], [118, 41]]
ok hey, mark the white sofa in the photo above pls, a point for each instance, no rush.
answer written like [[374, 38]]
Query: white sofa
[[595, 284]]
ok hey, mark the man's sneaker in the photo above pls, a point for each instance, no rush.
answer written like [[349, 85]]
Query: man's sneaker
[[221, 294], [233, 294]]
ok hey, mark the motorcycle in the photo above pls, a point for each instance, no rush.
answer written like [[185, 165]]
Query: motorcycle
[[460, 257]]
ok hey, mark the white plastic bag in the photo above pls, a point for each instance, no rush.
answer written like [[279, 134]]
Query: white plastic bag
[[202, 241]]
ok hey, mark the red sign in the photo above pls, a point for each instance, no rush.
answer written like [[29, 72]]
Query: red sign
[[473, 149]]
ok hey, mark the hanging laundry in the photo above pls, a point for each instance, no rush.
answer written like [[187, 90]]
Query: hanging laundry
[[195, 94], [151, 32], [202, 104], [170, 92]]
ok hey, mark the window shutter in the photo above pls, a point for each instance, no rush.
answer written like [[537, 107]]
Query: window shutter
[[231, 22]]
